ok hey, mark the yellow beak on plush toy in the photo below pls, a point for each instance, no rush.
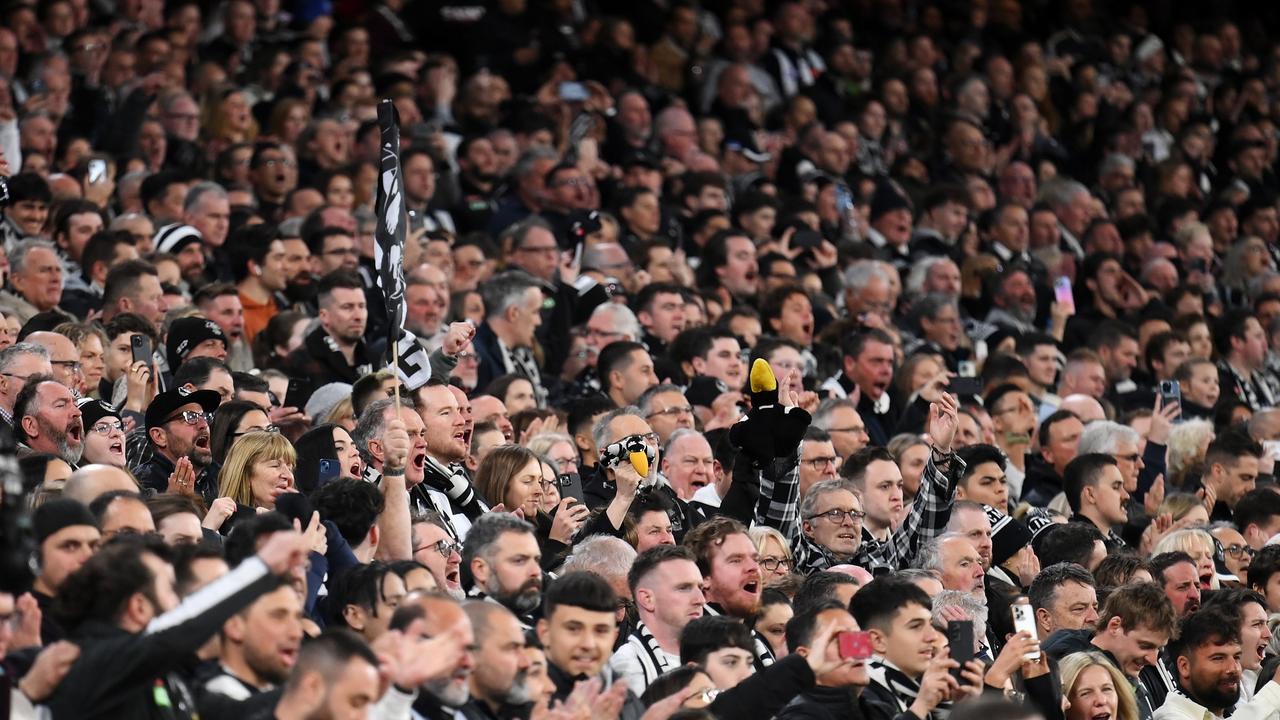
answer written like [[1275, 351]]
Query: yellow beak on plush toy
[[640, 462], [762, 377]]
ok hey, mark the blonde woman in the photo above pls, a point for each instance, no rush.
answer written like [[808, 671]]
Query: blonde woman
[[258, 469], [1095, 687], [775, 555], [1188, 441], [1199, 545], [1186, 509]]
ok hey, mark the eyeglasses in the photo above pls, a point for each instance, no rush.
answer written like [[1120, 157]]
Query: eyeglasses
[[72, 365], [837, 515], [445, 548], [106, 428], [819, 463], [650, 438], [1130, 458], [773, 563], [672, 411], [1237, 551], [246, 431], [191, 417]]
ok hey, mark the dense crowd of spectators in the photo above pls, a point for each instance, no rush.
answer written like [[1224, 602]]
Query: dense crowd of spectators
[[793, 359]]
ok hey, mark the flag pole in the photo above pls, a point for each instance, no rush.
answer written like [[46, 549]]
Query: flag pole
[[395, 364]]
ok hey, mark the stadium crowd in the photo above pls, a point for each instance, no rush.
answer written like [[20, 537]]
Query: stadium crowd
[[796, 359]]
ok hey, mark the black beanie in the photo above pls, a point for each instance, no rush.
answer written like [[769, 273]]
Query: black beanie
[[55, 515], [1008, 535]]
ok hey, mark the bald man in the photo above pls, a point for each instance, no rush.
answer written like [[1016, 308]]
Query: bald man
[[90, 481], [63, 355], [1085, 407]]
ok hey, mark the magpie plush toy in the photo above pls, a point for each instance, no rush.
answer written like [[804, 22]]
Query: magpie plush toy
[[770, 430]]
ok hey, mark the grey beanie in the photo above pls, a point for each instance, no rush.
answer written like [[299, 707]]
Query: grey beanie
[[325, 398]]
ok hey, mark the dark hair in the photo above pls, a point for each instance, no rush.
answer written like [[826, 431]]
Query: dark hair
[[122, 280], [197, 371], [616, 356], [1158, 344], [644, 299], [670, 683], [1116, 569], [352, 505], [818, 588], [650, 559], [185, 558], [1083, 471], [708, 535], [802, 625], [996, 394], [772, 304], [100, 504], [245, 534], [224, 424], [975, 455], [1265, 564], [360, 585], [329, 655], [1208, 625], [101, 248], [101, 587], [315, 240], [1233, 600], [1109, 334], [340, 278], [129, 323], [854, 343], [1046, 426], [1231, 324], [585, 590], [876, 604], [1070, 542], [855, 467], [22, 405], [710, 633], [1045, 586], [1230, 445], [1162, 562]]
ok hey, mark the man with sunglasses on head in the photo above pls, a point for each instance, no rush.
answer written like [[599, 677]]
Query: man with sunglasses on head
[[177, 423]]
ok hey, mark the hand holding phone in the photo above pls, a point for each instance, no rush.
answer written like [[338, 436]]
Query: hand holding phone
[[1062, 292], [854, 645], [140, 345]]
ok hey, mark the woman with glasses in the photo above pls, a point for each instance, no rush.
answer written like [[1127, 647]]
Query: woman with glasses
[[103, 433], [233, 420], [775, 552], [258, 469], [326, 442]]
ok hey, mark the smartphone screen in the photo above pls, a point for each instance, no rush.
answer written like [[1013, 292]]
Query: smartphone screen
[[97, 171], [854, 645], [1170, 392], [330, 470], [1062, 292]]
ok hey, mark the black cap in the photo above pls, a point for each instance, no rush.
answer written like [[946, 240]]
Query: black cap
[[185, 334], [57, 514], [641, 157], [92, 410], [704, 389], [167, 403], [886, 200]]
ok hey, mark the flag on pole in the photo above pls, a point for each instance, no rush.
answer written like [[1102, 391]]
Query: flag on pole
[[404, 353]]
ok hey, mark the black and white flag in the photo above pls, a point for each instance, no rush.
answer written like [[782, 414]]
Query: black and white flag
[[414, 367]]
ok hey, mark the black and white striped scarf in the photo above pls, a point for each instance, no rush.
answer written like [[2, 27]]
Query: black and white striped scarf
[[763, 653], [654, 661], [885, 674]]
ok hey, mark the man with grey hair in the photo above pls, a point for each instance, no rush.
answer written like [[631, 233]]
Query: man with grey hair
[[666, 409], [47, 420], [504, 341], [529, 174], [17, 363], [1073, 205], [500, 679], [842, 421], [605, 555], [208, 210], [937, 320], [934, 274], [868, 290], [609, 323], [1123, 443], [502, 554], [689, 465], [1064, 596], [35, 273], [957, 562], [951, 605]]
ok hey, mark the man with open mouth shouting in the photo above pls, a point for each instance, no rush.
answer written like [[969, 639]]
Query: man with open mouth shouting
[[177, 423], [1206, 660], [46, 419]]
